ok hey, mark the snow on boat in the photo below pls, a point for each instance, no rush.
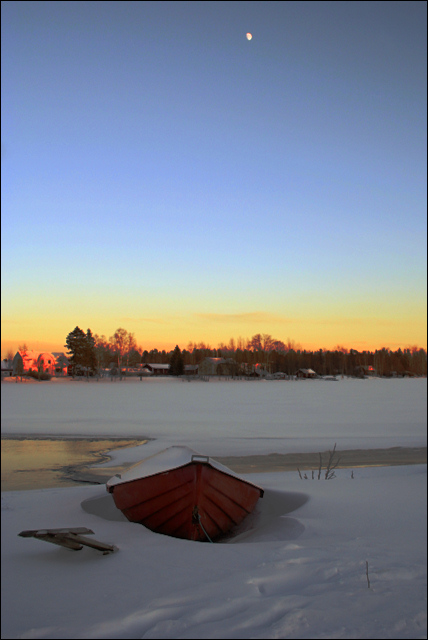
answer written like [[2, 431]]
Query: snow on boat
[[181, 493]]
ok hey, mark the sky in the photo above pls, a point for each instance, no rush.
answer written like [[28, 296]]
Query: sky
[[162, 173]]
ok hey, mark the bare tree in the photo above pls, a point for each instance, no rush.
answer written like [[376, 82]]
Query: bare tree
[[267, 342], [130, 345], [255, 344], [123, 342], [118, 343]]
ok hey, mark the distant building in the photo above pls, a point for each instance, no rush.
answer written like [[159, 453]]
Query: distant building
[[62, 363], [211, 366], [42, 361], [157, 369], [364, 370], [6, 367], [306, 373], [260, 370], [191, 369], [254, 370], [217, 367], [279, 375], [17, 365]]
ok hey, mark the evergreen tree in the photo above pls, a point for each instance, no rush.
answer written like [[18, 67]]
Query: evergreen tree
[[90, 352], [76, 345], [81, 350], [176, 362]]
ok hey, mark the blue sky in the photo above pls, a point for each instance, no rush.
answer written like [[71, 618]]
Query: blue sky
[[162, 173]]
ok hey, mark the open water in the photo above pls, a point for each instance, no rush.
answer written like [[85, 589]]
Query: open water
[[42, 463]]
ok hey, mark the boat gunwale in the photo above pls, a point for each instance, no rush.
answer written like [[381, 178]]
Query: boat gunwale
[[110, 488]]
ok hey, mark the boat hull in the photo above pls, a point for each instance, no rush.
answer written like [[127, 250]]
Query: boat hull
[[195, 501]]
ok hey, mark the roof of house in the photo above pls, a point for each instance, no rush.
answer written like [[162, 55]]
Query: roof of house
[[156, 366], [45, 356]]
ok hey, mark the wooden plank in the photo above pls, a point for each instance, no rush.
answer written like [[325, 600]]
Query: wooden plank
[[95, 544], [31, 532], [69, 538], [61, 540]]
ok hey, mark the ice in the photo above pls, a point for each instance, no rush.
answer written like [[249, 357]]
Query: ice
[[226, 418]]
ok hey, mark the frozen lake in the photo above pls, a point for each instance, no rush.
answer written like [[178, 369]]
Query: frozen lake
[[226, 417]]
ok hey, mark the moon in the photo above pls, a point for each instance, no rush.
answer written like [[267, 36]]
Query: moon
[[249, 36]]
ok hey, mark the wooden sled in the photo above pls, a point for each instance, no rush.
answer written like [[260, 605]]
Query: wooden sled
[[69, 538]]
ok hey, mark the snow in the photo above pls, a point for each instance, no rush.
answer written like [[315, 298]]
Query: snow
[[299, 573], [226, 418], [297, 566], [169, 458]]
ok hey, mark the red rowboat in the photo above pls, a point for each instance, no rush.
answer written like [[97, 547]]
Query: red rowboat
[[180, 493]]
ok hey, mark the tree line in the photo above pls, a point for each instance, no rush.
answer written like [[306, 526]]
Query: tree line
[[89, 353]]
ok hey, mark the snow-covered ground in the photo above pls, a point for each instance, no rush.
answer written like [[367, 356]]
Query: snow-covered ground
[[300, 572], [226, 418], [298, 567]]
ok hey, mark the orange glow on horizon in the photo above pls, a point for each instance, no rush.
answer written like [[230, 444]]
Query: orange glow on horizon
[[148, 345]]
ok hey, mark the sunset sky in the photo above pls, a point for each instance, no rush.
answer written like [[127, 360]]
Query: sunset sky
[[162, 173]]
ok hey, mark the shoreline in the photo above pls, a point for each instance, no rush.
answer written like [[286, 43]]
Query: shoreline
[[277, 462], [87, 471], [348, 459]]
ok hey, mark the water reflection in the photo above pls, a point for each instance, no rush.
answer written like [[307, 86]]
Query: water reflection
[[41, 463]]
